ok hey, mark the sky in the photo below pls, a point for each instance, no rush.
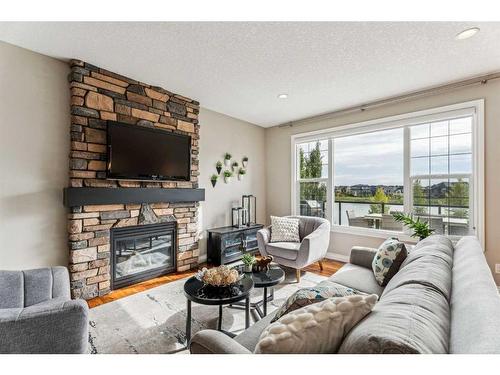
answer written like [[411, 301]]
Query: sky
[[372, 158], [377, 158]]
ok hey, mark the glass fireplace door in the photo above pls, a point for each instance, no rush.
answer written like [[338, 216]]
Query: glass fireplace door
[[141, 253]]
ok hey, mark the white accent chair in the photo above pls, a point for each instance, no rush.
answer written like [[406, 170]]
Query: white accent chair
[[314, 235]]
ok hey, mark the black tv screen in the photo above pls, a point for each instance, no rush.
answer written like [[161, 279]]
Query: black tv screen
[[140, 153]]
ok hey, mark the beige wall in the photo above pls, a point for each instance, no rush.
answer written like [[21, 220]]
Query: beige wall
[[278, 165], [34, 144], [219, 134]]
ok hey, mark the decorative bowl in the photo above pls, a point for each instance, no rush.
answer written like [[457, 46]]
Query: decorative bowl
[[221, 276]]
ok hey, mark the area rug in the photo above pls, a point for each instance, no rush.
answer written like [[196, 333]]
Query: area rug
[[154, 321]]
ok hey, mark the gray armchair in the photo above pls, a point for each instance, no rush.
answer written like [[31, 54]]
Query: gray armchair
[[314, 235], [37, 314]]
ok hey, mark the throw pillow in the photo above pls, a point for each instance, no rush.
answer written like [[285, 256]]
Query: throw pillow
[[308, 296], [315, 329], [284, 229], [388, 259]]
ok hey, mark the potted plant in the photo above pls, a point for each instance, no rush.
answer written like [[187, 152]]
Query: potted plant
[[213, 179], [244, 161], [234, 166], [248, 261], [227, 159], [420, 229], [241, 173], [218, 166], [227, 176]]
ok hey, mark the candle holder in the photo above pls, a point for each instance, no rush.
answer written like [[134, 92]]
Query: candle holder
[[249, 202], [237, 217]]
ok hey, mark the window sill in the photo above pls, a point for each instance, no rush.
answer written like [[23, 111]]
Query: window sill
[[375, 233]]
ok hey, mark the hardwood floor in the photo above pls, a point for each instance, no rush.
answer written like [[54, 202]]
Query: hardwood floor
[[329, 268], [136, 288]]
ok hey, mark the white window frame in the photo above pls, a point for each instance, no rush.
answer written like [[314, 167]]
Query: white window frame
[[474, 108], [326, 180]]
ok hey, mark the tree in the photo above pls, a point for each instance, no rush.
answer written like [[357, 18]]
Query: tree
[[302, 164], [419, 198], [380, 197], [458, 195], [314, 163], [310, 167]]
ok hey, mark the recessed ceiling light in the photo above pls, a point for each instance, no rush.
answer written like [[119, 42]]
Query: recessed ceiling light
[[282, 96], [467, 33]]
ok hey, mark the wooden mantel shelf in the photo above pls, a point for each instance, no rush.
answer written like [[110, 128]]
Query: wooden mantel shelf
[[86, 196]]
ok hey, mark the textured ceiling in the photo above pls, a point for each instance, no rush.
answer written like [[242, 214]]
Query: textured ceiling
[[240, 68]]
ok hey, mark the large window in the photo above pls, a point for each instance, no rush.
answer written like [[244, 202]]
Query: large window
[[428, 164]]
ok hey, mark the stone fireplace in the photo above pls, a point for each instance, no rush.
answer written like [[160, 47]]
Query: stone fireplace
[[100, 209]]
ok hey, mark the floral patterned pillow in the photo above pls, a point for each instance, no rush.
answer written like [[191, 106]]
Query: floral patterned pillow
[[307, 296], [388, 259]]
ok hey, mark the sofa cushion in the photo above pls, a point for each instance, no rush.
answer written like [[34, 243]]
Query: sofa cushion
[[317, 328], [413, 318], [413, 315], [314, 294], [475, 303], [390, 254], [357, 277], [284, 229], [429, 263], [250, 337], [435, 239], [287, 250], [437, 245], [11, 290]]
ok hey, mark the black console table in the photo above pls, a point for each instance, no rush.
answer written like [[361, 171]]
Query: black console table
[[229, 244]]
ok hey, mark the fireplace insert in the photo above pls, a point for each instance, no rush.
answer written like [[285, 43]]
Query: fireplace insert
[[142, 252]]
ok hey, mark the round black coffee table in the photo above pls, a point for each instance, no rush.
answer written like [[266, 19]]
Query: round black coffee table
[[196, 291], [266, 279]]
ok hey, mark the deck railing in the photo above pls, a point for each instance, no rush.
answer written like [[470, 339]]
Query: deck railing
[[320, 209]]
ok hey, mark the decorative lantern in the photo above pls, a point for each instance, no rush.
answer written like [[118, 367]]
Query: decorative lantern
[[244, 216], [249, 202], [237, 217]]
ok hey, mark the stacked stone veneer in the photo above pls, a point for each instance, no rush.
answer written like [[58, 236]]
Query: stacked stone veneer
[[98, 95]]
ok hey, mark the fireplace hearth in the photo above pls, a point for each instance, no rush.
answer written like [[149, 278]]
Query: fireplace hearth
[[142, 252]]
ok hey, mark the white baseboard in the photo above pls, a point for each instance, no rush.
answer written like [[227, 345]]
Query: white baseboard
[[339, 257]]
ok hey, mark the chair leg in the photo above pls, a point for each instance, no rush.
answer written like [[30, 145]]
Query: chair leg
[[297, 274], [320, 262]]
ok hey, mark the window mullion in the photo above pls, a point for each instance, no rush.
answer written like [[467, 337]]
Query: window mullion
[[331, 185], [407, 184]]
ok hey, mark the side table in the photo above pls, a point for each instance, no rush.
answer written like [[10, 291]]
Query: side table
[[196, 291], [265, 280]]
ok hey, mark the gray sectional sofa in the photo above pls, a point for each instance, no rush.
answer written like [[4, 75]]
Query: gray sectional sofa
[[37, 314], [442, 300]]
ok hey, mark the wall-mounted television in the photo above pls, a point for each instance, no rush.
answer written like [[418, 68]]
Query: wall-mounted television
[[141, 153]]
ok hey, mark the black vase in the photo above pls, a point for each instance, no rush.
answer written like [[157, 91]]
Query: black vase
[[218, 170], [213, 182]]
